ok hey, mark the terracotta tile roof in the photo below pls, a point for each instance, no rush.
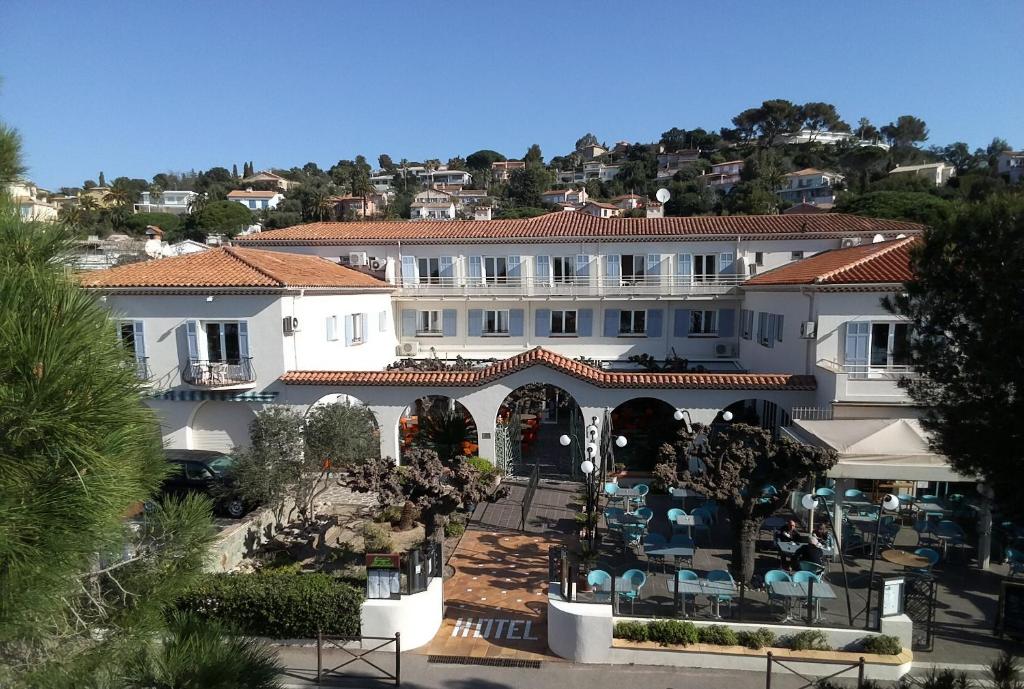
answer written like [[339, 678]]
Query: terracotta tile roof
[[884, 262], [554, 227], [233, 267], [246, 194], [571, 367]]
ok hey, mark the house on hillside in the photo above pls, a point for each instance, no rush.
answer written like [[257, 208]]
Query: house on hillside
[[1010, 164], [366, 206], [575, 197], [267, 177], [937, 173], [501, 170], [600, 209], [256, 200], [591, 151], [33, 203], [432, 204], [628, 202], [170, 201], [811, 185]]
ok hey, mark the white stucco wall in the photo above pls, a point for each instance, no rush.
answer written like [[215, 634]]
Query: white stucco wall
[[309, 348], [416, 617]]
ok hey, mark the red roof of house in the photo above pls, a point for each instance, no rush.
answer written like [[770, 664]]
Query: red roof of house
[[571, 367], [576, 226], [883, 262], [233, 267]]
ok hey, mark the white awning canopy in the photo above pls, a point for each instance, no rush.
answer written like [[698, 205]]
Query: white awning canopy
[[881, 449]]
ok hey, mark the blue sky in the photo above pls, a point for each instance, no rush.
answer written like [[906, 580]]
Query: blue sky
[[135, 88]]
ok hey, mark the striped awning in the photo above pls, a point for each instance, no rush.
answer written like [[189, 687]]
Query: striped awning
[[213, 395]]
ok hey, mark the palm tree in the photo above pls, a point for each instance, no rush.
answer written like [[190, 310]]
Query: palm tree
[[204, 653], [445, 431]]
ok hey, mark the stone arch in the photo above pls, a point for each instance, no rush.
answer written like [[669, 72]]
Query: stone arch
[[646, 422], [528, 423], [758, 411]]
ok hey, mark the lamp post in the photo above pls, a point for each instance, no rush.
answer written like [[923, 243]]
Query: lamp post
[[681, 414], [892, 503], [588, 467], [810, 502]]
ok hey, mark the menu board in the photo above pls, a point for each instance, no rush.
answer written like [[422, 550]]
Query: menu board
[[892, 597], [1010, 615]]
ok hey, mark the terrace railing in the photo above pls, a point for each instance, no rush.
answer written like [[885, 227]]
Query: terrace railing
[[653, 285], [211, 374]]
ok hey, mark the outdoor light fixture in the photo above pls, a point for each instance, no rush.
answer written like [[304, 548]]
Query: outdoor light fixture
[[891, 503], [564, 441], [209, 298], [620, 441], [727, 416], [809, 502], [678, 415], [591, 430], [587, 467], [591, 448]]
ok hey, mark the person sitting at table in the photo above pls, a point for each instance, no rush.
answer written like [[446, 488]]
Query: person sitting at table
[[789, 533], [824, 537], [811, 551]]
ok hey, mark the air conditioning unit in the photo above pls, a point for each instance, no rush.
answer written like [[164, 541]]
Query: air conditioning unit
[[408, 349], [808, 330], [850, 241], [378, 263], [724, 351], [357, 258], [290, 324]]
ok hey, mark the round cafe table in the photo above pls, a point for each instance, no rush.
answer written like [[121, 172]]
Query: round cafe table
[[905, 559]]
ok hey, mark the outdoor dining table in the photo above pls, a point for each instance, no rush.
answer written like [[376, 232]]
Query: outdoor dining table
[[687, 520], [905, 559], [677, 552], [703, 587], [625, 494], [793, 591], [789, 547]]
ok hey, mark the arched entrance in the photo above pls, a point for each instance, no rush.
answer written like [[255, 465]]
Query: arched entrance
[[439, 423], [343, 429], [646, 423], [530, 421], [221, 426], [758, 412]]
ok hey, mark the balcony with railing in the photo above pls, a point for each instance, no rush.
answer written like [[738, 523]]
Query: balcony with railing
[[532, 287], [141, 366], [232, 373], [867, 382]]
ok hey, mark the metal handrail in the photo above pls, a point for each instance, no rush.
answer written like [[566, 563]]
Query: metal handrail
[[869, 371], [207, 373], [655, 285]]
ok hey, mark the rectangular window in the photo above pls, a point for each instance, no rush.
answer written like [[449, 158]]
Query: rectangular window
[[358, 319], [633, 322], [795, 255], [332, 328], [563, 322], [264, 203], [762, 328], [222, 343], [631, 269], [703, 322], [127, 332], [759, 258], [705, 267], [382, 321], [495, 270], [429, 271], [890, 345], [495, 322], [252, 204], [428, 323], [563, 269]]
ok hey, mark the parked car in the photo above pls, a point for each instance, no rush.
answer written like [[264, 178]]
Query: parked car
[[206, 472]]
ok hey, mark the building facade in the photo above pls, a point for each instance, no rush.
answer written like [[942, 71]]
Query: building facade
[[811, 185], [171, 201]]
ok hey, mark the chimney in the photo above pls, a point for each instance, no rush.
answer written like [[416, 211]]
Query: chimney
[[482, 213]]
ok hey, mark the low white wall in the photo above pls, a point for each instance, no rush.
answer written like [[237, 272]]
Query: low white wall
[[416, 617], [580, 632]]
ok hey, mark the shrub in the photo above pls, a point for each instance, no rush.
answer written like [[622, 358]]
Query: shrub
[[376, 538], [672, 632], [762, 638], [454, 527], [630, 631], [717, 635], [809, 640], [389, 515], [276, 605], [883, 644]]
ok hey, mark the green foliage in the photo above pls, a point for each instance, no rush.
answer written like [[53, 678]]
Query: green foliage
[[526, 186], [376, 538], [11, 167], [881, 644], [919, 207], [1005, 672], [630, 631], [940, 679], [481, 160], [279, 606], [718, 635], [445, 431], [964, 308], [809, 640], [519, 213], [341, 434], [168, 222], [454, 527], [223, 217], [762, 638], [273, 462], [672, 632], [389, 515]]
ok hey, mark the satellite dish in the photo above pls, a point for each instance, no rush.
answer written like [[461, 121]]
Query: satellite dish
[[877, 238], [663, 195]]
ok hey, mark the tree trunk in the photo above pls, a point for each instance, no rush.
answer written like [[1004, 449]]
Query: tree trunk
[[433, 523], [408, 514], [744, 540]]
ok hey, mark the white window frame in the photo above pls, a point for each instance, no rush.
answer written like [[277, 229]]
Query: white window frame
[[703, 323], [890, 345], [701, 262], [382, 321], [633, 277], [632, 330], [559, 316], [223, 341], [332, 328], [127, 342], [568, 277], [500, 316], [429, 322], [358, 336], [433, 265], [490, 276]]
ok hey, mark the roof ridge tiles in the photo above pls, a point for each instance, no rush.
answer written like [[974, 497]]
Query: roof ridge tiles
[[892, 245]]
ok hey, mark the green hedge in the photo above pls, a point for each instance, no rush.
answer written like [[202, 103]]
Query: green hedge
[[665, 632], [718, 635], [277, 605], [883, 645], [762, 638]]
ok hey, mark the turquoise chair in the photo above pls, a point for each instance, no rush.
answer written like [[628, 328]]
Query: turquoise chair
[[722, 575], [635, 580], [601, 584], [932, 556], [825, 493], [1015, 560], [645, 513], [854, 494], [803, 577], [672, 515], [775, 576], [688, 575], [642, 490], [807, 567]]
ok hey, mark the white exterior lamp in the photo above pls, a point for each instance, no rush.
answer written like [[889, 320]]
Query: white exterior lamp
[[587, 467], [621, 441], [564, 441]]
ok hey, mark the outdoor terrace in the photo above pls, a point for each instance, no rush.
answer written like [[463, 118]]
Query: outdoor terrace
[[652, 286]]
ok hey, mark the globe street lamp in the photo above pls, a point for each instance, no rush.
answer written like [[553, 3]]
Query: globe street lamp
[[892, 503], [810, 503], [588, 466]]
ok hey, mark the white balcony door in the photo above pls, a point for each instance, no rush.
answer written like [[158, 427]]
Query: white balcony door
[[857, 341]]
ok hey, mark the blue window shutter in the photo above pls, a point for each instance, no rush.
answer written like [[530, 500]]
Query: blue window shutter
[[445, 267], [726, 263], [778, 327], [654, 318], [585, 322], [611, 268], [476, 270], [332, 327], [475, 327], [243, 339], [654, 264], [543, 268], [362, 321], [449, 319], [611, 322], [542, 325], [408, 323], [681, 326], [582, 265], [726, 322], [192, 335], [139, 333], [514, 265], [409, 271], [684, 266], [515, 322], [348, 330]]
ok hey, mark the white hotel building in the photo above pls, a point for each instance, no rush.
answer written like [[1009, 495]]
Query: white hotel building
[[783, 311]]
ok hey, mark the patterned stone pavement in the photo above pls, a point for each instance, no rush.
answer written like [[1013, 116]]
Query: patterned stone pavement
[[496, 601]]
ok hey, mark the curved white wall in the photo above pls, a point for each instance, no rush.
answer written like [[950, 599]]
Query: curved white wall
[[416, 617]]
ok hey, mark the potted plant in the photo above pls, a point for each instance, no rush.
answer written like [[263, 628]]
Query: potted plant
[[587, 557]]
